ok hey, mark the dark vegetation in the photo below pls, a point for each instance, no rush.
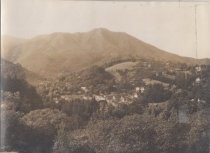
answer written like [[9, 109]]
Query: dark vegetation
[[92, 112], [18, 93]]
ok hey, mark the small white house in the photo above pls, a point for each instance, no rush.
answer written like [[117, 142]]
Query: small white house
[[201, 101], [137, 89], [56, 100], [122, 99], [65, 97], [135, 95], [84, 89], [192, 100], [198, 68], [142, 89], [3, 106], [99, 98], [87, 98], [198, 80]]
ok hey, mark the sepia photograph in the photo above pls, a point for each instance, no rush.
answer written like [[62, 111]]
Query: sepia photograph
[[115, 76]]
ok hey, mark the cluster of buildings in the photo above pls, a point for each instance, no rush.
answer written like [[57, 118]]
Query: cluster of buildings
[[128, 97], [112, 98]]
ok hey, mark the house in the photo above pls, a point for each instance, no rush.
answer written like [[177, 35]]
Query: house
[[84, 89], [87, 98], [200, 101], [198, 80], [99, 98], [179, 91], [192, 100], [178, 69], [198, 68], [65, 97], [3, 106], [142, 89], [113, 97], [137, 89], [135, 95], [56, 100], [167, 64], [168, 76], [122, 99]]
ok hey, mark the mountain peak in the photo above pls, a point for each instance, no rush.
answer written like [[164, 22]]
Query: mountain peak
[[100, 30]]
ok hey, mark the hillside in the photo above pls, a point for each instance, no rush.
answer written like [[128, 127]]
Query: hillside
[[9, 42], [54, 54], [158, 104], [17, 93]]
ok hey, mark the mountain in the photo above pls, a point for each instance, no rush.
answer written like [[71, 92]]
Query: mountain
[[125, 96], [57, 53]]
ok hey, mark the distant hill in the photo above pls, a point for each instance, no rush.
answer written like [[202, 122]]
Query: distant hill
[[13, 80], [8, 43], [57, 53], [11, 71]]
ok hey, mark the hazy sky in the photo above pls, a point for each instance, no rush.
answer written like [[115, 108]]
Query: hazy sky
[[167, 25]]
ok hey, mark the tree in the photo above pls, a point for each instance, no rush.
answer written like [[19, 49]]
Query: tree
[[156, 93]]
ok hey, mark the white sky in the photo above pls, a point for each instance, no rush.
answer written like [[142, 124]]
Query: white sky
[[167, 25]]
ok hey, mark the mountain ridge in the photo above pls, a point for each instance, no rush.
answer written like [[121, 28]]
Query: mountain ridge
[[60, 52]]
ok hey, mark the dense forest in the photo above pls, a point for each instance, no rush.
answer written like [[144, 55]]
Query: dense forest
[[123, 107]]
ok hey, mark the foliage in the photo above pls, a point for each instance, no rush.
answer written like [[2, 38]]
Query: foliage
[[148, 123], [156, 93], [16, 90], [79, 107], [65, 144]]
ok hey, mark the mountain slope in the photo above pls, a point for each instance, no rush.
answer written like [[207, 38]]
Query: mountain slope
[[51, 55], [8, 43], [17, 94]]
